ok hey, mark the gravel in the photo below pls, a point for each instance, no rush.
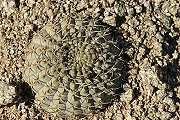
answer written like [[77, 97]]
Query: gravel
[[150, 36]]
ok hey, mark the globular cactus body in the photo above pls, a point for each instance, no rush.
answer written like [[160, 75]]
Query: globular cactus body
[[72, 66]]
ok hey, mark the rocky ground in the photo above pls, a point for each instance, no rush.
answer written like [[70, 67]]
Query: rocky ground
[[150, 33]]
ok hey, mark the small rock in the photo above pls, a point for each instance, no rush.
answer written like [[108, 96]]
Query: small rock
[[172, 108], [167, 21], [9, 6], [131, 11], [128, 95], [110, 2], [29, 27], [50, 13], [8, 93], [148, 6], [111, 20], [168, 100], [161, 94], [1, 55], [165, 115], [120, 9], [141, 53], [157, 49], [138, 9], [12, 51]]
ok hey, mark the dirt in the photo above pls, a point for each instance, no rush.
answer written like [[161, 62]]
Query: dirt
[[150, 38]]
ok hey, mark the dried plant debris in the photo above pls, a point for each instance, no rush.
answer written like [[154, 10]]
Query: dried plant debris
[[8, 93], [74, 66]]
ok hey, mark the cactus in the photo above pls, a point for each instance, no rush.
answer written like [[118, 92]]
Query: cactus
[[72, 66]]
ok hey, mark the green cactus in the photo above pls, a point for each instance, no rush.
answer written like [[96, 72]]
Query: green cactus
[[72, 66]]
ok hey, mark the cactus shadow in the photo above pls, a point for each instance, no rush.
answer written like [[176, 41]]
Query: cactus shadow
[[27, 95], [170, 73]]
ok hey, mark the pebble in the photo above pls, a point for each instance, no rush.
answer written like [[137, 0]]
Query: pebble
[[9, 6], [133, 22], [131, 30], [157, 49], [31, 3], [153, 18], [12, 51], [177, 90], [111, 20], [8, 93], [1, 55], [148, 6], [141, 53], [28, 27], [165, 115], [173, 108], [120, 9], [168, 100], [128, 95], [111, 2], [167, 21], [119, 117], [130, 11], [138, 9]]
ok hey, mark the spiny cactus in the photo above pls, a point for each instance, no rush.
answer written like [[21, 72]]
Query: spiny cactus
[[8, 93], [72, 66]]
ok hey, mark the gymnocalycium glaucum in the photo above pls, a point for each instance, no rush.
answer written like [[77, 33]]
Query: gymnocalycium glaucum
[[72, 66]]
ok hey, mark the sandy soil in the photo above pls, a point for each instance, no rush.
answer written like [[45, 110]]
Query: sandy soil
[[150, 33]]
